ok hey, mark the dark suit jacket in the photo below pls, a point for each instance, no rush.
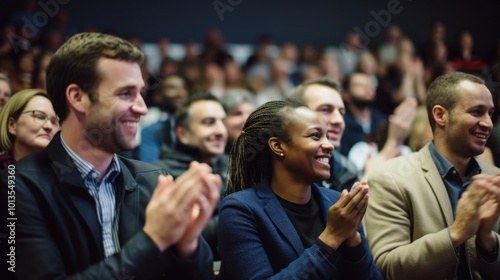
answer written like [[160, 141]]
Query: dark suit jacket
[[58, 233], [258, 241], [176, 161]]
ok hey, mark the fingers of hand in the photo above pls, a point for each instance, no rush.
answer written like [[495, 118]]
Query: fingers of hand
[[343, 193], [345, 196], [353, 201], [163, 183], [358, 195], [211, 189], [491, 183], [361, 210], [476, 191], [200, 166]]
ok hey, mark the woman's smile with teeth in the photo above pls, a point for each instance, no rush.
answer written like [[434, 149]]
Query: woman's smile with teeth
[[323, 159]]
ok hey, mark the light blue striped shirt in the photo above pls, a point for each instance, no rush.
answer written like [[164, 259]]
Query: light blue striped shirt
[[104, 194]]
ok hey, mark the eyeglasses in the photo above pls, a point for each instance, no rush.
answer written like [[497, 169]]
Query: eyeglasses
[[41, 118]]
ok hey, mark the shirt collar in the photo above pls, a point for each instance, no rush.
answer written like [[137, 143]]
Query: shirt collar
[[445, 167], [87, 170]]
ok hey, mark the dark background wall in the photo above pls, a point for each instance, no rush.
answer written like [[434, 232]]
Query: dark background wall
[[322, 22]]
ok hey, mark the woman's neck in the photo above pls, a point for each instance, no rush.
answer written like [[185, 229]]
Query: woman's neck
[[291, 190]]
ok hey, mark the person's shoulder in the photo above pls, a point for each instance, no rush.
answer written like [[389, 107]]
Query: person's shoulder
[[137, 166], [247, 197], [37, 161], [173, 154], [488, 168], [220, 163], [242, 194], [175, 164], [402, 165], [36, 171]]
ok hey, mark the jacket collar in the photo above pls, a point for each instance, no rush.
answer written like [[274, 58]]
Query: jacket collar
[[279, 217], [436, 183], [73, 185], [66, 171]]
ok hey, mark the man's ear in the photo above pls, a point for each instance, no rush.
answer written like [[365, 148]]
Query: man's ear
[[182, 134], [440, 115], [77, 99], [276, 146]]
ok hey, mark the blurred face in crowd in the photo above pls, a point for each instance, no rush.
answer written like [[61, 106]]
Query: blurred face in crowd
[[328, 102], [206, 130], [113, 117], [174, 93], [236, 118], [361, 90], [34, 128], [26, 63], [5, 92]]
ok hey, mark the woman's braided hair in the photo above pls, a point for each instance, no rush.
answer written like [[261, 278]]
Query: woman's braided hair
[[250, 158]]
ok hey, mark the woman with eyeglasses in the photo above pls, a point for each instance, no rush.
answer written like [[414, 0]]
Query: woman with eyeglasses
[[27, 124]]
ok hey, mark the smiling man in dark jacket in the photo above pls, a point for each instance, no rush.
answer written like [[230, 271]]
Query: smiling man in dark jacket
[[86, 213]]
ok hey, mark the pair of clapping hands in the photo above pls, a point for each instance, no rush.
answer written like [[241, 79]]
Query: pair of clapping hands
[[179, 210], [345, 216], [478, 210]]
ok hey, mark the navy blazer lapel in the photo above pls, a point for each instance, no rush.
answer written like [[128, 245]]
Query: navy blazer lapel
[[278, 216], [74, 186], [436, 183]]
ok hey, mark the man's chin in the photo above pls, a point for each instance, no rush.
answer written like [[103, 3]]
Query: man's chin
[[126, 146], [215, 152]]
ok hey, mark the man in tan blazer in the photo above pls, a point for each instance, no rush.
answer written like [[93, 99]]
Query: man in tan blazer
[[431, 216]]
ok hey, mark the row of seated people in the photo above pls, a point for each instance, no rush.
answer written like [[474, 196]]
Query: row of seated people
[[275, 219]]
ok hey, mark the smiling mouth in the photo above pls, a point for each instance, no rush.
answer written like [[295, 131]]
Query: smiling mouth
[[130, 124], [481, 136], [323, 159], [218, 143]]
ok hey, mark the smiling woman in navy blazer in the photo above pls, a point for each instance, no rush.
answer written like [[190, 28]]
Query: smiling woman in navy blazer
[[276, 223]]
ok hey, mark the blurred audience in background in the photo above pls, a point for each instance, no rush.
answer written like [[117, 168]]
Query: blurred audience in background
[[396, 66], [238, 105]]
